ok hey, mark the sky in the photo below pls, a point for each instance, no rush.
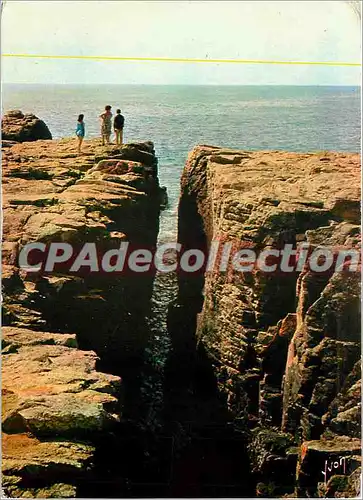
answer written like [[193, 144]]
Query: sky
[[272, 30]]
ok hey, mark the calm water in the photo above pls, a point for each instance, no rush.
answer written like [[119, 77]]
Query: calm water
[[176, 118]]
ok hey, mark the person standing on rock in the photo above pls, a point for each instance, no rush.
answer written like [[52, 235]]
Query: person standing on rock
[[80, 131], [118, 125], [106, 125]]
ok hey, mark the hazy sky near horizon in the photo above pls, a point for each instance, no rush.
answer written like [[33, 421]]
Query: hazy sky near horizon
[[274, 30]]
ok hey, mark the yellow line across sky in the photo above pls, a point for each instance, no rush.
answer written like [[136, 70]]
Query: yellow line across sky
[[183, 60]]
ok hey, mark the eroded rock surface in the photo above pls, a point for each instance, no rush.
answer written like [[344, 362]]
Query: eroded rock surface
[[19, 127], [51, 387], [32, 468], [51, 194], [283, 346], [55, 400]]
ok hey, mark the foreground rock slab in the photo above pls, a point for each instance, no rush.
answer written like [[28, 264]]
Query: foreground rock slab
[[51, 391], [37, 469], [56, 402], [52, 388]]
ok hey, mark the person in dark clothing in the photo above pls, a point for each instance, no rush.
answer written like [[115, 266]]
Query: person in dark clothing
[[118, 125]]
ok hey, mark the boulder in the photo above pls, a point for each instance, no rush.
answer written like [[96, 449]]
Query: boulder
[[20, 127]]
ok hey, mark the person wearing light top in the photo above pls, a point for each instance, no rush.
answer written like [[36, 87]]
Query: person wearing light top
[[106, 125], [80, 131]]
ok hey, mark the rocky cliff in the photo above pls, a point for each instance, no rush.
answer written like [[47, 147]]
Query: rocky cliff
[[283, 346], [60, 328], [54, 404], [105, 196], [261, 383]]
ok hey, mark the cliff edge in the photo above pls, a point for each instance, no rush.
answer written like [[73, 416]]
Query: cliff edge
[[61, 328], [284, 346]]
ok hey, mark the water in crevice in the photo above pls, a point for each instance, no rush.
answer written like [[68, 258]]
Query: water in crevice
[[135, 459], [174, 438]]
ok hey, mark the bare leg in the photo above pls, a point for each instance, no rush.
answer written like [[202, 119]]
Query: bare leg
[[80, 140], [108, 139]]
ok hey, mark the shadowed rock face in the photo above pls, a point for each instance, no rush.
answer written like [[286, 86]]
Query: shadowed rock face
[[56, 405], [23, 128], [283, 346]]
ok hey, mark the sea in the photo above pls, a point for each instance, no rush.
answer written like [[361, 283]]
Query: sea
[[176, 118]]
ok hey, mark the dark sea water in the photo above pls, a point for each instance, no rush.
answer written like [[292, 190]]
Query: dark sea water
[[176, 118]]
